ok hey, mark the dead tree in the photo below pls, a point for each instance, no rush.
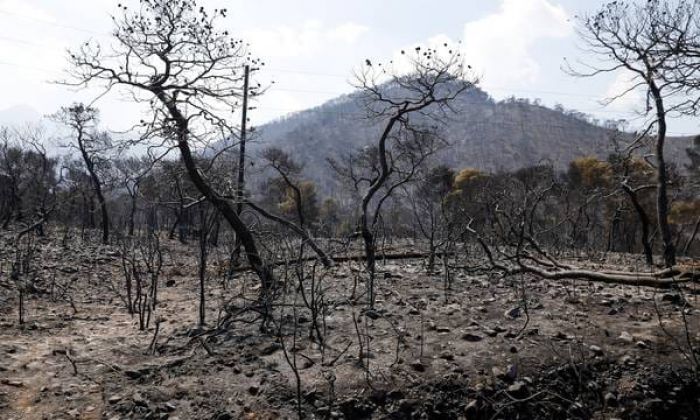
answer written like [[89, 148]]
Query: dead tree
[[516, 233], [131, 172], [171, 55], [655, 42], [428, 200], [82, 120], [407, 109], [288, 170]]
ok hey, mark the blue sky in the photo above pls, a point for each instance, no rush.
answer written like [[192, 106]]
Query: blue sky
[[311, 48]]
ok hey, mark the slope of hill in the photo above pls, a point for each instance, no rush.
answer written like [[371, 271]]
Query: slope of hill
[[484, 134]]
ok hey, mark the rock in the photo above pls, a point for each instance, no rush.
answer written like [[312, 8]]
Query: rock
[[560, 335], [12, 382], [270, 349], [135, 374], [139, 400], [170, 283], [253, 390], [471, 337], [596, 350], [642, 344], [674, 298], [222, 416], [511, 372], [114, 399], [610, 399], [518, 389], [472, 409], [490, 332], [612, 311], [395, 394], [418, 366], [498, 373], [626, 337], [628, 360], [513, 313], [447, 355], [443, 329]]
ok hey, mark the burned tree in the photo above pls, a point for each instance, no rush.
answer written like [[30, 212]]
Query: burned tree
[[82, 121], [407, 108], [171, 55], [655, 42]]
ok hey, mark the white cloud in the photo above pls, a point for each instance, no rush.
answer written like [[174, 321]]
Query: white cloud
[[348, 32], [312, 36], [499, 45], [402, 58], [25, 9], [286, 41], [627, 96]]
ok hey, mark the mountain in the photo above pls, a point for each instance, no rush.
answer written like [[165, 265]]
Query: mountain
[[18, 115], [485, 134]]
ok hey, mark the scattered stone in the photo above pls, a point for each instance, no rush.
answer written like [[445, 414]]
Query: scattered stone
[[511, 372], [596, 350], [498, 373], [270, 349], [673, 298], [139, 400], [471, 337], [490, 332], [518, 389], [418, 366], [12, 382], [628, 360], [472, 408], [114, 399], [626, 337], [513, 313]]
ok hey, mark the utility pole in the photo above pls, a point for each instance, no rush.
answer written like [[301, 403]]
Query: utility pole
[[240, 185]]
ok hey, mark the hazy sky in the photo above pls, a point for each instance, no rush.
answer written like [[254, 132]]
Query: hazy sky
[[311, 47]]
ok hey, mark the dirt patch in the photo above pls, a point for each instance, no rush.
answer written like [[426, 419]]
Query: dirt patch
[[478, 350]]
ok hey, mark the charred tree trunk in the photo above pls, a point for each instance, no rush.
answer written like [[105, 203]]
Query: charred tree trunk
[[644, 221], [662, 179], [262, 269]]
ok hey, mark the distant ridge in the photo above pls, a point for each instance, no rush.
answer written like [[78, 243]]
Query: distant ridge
[[485, 134]]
